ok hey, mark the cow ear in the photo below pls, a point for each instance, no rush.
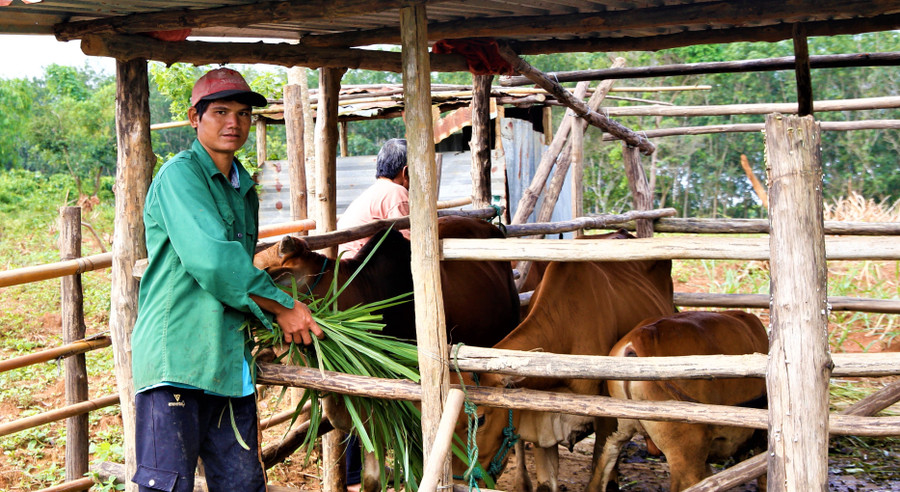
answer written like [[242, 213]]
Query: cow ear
[[290, 245]]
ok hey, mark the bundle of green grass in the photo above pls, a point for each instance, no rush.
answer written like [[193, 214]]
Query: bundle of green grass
[[354, 344]]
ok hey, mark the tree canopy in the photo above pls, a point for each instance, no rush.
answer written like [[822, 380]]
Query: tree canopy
[[63, 122]]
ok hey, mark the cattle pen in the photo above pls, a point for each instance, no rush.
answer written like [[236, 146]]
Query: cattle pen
[[324, 35]]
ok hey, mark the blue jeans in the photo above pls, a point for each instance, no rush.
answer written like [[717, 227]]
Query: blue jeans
[[175, 426]]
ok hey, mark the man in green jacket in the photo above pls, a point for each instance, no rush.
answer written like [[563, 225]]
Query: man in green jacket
[[190, 358]]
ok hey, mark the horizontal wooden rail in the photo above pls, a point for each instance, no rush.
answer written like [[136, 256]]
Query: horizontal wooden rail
[[886, 102], [761, 301], [55, 270], [758, 127], [58, 414], [104, 260], [546, 364], [657, 248], [593, 222], [69, 350], [73, 486], [543, 401], [757, 226]]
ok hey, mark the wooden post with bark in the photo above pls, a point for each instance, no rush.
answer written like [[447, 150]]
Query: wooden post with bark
[[641, 194], [296, 148], [134, 168], [799, 362], [802, 71], [309, 142], [481, 140], [333, 449], [262, 152], [73, 329], [431, 333]]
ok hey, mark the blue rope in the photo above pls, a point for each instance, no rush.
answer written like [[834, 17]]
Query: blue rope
[[318, 277], [510, 438]]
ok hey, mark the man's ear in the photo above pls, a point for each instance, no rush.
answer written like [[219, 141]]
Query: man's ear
[[193, 117]]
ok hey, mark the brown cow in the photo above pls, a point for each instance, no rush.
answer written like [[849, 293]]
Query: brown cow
[[580, 308], [481, 304], [687, 447]]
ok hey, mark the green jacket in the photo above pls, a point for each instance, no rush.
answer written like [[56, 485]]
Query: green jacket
[[194, 296]]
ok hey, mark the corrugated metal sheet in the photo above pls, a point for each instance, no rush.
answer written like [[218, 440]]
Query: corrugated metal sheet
[[355, 174]]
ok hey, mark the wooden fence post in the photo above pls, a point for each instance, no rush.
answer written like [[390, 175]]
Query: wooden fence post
[[799, 364], [481, 141], [134, 167], [431, 333], [296, 147], [72, 308], [641, 194]]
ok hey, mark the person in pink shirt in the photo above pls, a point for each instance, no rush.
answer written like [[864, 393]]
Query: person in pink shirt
[[387, 198]]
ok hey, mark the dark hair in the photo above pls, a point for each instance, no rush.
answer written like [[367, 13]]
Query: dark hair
[[203, 104], [391, 159]]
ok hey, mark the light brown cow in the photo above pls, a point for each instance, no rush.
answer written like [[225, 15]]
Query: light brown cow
[[687, 447], [580, 308]]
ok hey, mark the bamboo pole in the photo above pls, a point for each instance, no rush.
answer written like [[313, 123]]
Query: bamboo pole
[[71, 486], [55, 270], [133, 172], [72, 308], [55, 353], [481, 141], [431, 334], [580, 108], [798, 348], [657, 248], [7, 428], [761, 301]]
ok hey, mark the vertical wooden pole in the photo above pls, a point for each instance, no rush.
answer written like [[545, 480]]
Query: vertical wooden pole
[[641, 194], [577, 163], [134, 168], [802, 71], [344, 146], [799, 364], [262, 152], [296, 152], [333, 449], [326, 151], [430, 324], [481, 141], [309, 142], [72, 308]]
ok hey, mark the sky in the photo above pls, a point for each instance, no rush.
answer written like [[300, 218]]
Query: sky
[[26, 56]]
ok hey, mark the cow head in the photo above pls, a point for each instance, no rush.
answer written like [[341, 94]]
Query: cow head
[[290, 259]]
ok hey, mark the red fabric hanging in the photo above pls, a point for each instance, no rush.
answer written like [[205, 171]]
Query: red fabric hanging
[[177, 35], [482, 55]]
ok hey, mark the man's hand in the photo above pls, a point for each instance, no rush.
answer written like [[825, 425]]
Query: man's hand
[[295, 322]]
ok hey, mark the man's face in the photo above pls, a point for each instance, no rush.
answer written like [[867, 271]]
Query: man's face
[[224, 127]]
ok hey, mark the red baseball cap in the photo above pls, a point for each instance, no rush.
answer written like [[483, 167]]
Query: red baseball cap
[[222, 83]]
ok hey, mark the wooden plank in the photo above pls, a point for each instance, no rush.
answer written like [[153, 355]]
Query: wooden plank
[[282, 54], [431, 332], [134, 167], [798, 343], [542, 401], [73, 329], [686, 248]]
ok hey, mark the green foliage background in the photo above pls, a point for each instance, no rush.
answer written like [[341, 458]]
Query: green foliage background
[[63, 122]]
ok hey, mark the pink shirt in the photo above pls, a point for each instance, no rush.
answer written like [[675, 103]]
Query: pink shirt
[[383, 200]]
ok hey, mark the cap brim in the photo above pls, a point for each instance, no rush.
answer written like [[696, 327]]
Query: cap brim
[[249, 97]]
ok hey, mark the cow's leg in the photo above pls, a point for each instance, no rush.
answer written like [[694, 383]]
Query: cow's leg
[[546, 467], [523, 480], [686, 447], [371, 472], [611, 449], [603, 428]]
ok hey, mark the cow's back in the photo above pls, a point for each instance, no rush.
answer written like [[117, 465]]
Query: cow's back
[[481, 303]]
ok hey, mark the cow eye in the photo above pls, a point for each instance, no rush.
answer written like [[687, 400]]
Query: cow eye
[[481, 420]]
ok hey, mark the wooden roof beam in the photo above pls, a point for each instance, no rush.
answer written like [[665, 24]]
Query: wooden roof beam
[[769, 34], [698, 15], [230, 16], [123, 47]]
